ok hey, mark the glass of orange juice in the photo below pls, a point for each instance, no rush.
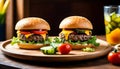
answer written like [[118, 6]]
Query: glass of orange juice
[[112, 24]]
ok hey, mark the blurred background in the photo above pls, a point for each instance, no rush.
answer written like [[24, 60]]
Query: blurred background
[[53, 11]]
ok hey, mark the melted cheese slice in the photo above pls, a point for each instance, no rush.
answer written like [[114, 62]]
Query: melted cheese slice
[[87, 32], [44, 36], [27, 35], [66, 33]]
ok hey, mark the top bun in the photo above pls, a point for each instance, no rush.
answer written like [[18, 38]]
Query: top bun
[[32, 23], [76, 22]]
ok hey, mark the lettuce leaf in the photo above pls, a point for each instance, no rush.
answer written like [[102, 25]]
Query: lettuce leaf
[[15, 40], [48, 41], [90, 41], [93, 41], [58, 40]]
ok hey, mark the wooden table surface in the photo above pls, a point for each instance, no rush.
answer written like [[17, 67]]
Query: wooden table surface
[[98, 63]]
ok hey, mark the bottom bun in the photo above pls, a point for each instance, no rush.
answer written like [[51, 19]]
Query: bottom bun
[[30, 46], [80, 46]]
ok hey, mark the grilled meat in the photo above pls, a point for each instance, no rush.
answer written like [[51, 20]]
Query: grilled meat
[[34, 37], [76, 37]]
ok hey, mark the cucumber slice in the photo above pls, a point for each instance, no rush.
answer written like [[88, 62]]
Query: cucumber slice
[[49, 50], [55, 45]]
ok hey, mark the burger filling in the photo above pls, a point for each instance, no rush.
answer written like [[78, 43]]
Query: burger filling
[[75, 35], [78, 36], [34, 37], [30, 36]]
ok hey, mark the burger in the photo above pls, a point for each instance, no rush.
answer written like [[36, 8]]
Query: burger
[[32, 33], [77, 31]]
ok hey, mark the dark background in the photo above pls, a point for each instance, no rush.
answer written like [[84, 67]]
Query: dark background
[[53, 11]]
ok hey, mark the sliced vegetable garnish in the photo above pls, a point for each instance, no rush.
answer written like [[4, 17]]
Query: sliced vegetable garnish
[[23, 32], [39, 32], [88, 49], [49, 50]]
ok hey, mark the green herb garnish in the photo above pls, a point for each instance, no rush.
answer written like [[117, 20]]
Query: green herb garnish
[[93, 41], [58, 40]]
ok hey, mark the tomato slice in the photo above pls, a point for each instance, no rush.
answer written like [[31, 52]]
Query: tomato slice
[[39, 32], [24, 32], [33, 31]]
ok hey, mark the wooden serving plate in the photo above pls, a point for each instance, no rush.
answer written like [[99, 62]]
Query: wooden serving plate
[[37, 55]]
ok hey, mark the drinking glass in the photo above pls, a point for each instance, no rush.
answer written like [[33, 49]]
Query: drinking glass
[[112, 23]]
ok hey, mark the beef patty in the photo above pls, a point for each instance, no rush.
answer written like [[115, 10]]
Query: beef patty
[[76, 37], [34, 37]]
